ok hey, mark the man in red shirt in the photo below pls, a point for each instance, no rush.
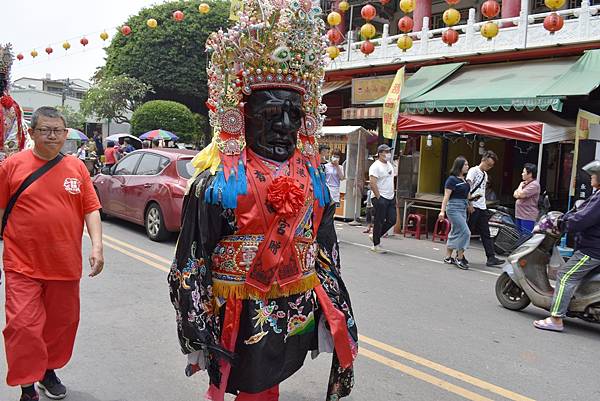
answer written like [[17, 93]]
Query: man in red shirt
[[42, 256]]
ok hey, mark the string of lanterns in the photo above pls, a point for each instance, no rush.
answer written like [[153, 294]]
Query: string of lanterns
[[406, 24], [554, 22], [451, 17], [126, 30], [490, 9], [368, 30]]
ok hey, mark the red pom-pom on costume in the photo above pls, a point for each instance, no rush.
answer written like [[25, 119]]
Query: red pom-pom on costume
[[286, 196], [7, 102]]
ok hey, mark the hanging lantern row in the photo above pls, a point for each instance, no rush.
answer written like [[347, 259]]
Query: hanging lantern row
[[368, 30], [125, 30], [490, 9], [335, 36], [405, 25], [554, 22], [451, 17]]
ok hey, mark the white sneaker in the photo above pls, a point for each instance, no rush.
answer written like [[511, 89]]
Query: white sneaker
[[377, 249]]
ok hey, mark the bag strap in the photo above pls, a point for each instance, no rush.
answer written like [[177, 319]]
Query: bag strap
[[480, 182], [28, 181]]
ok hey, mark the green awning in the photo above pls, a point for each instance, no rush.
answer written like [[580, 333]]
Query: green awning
[[423, 80], [582, 78], [506, 86]]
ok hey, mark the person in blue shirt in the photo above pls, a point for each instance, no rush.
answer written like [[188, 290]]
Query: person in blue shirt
[[128, 148], [454, 205], [584, 222]]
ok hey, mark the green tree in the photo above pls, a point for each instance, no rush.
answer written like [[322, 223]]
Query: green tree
[[203, 133], [171, 57], [167, 115], [114, 98], [75, 119]]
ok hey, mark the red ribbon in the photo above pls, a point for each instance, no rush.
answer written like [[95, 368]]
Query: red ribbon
[[338, 328]]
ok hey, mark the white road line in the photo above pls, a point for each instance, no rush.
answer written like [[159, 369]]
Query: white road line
[[408, 255]]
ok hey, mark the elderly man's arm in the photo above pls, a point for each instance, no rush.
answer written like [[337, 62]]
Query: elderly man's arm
[[94, 229]]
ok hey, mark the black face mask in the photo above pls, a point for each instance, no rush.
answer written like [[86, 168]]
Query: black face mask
[[273, 118]]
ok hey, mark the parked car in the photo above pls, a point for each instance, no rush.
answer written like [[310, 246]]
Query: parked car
[[147, 187]]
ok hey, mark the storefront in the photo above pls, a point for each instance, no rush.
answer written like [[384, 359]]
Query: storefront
[[352, 142]]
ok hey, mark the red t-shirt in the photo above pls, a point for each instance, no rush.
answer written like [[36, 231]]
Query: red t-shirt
[[109, 156], [42, 238]]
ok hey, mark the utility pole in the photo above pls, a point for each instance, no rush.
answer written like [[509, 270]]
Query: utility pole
[[66, 90]]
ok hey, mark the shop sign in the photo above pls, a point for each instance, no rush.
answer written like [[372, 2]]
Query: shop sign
[[365, 90]]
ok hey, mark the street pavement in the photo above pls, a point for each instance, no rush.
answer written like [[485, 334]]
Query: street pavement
[[429, 332]]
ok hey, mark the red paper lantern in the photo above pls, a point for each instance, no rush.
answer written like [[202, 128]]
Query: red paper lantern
[[368, 12], [178, 15], [450, 37], [367, 48], [126, 30], [490, 9], [20, 57], [84, 42], [453, 2], [553, 23], [405, 24], [49, 50], [335, 36]]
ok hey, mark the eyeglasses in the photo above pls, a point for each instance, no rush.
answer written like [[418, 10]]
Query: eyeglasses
[[48, 131]]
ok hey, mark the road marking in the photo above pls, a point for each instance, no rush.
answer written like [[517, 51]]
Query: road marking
[[408, 255], [137, 257], [445, 370], [142, 251], [469, 395], [378, 344]]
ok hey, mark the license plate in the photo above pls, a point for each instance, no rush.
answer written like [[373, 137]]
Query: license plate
[[493, 231]]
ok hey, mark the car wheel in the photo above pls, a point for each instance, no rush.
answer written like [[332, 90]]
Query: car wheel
[[155, 224]]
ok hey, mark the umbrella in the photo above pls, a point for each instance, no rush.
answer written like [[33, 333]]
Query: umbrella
[[118, 138], [77, 135], [159, 134]]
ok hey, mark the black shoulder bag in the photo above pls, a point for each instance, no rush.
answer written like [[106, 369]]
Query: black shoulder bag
[[479, 184], [28, 181]]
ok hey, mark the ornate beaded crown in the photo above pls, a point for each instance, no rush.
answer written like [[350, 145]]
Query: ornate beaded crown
[[274, 44], [6, 59]]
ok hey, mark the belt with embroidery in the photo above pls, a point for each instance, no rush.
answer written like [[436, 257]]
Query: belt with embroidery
[[233, 257]]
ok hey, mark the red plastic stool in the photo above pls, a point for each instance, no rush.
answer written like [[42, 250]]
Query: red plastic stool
[[441, 230], [414, 224]]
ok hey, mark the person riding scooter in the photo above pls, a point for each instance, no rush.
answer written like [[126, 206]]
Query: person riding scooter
[[585, 223]]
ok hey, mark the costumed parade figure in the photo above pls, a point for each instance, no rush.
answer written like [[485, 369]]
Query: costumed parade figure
[[256, 279], [13, 137]]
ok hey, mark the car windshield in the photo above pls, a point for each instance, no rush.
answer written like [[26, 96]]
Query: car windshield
[[185, 168]]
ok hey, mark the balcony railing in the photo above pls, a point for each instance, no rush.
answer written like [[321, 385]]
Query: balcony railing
[[522, 32]]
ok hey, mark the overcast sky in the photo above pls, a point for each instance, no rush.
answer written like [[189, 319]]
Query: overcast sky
[[35, 24]]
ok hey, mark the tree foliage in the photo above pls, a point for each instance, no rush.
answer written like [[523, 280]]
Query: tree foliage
[[167, 115], [172, 57], [75, 119], [114, 98]]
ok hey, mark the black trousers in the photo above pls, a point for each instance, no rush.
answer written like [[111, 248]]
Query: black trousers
[[385, 217], [479, 223]]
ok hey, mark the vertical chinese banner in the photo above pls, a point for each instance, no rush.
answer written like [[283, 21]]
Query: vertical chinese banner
[[391, 106], [584, 119]]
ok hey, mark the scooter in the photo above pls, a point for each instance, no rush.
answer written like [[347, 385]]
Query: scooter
[[526, 276]]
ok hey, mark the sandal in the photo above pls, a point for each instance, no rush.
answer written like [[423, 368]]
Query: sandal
[[548, 324]]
